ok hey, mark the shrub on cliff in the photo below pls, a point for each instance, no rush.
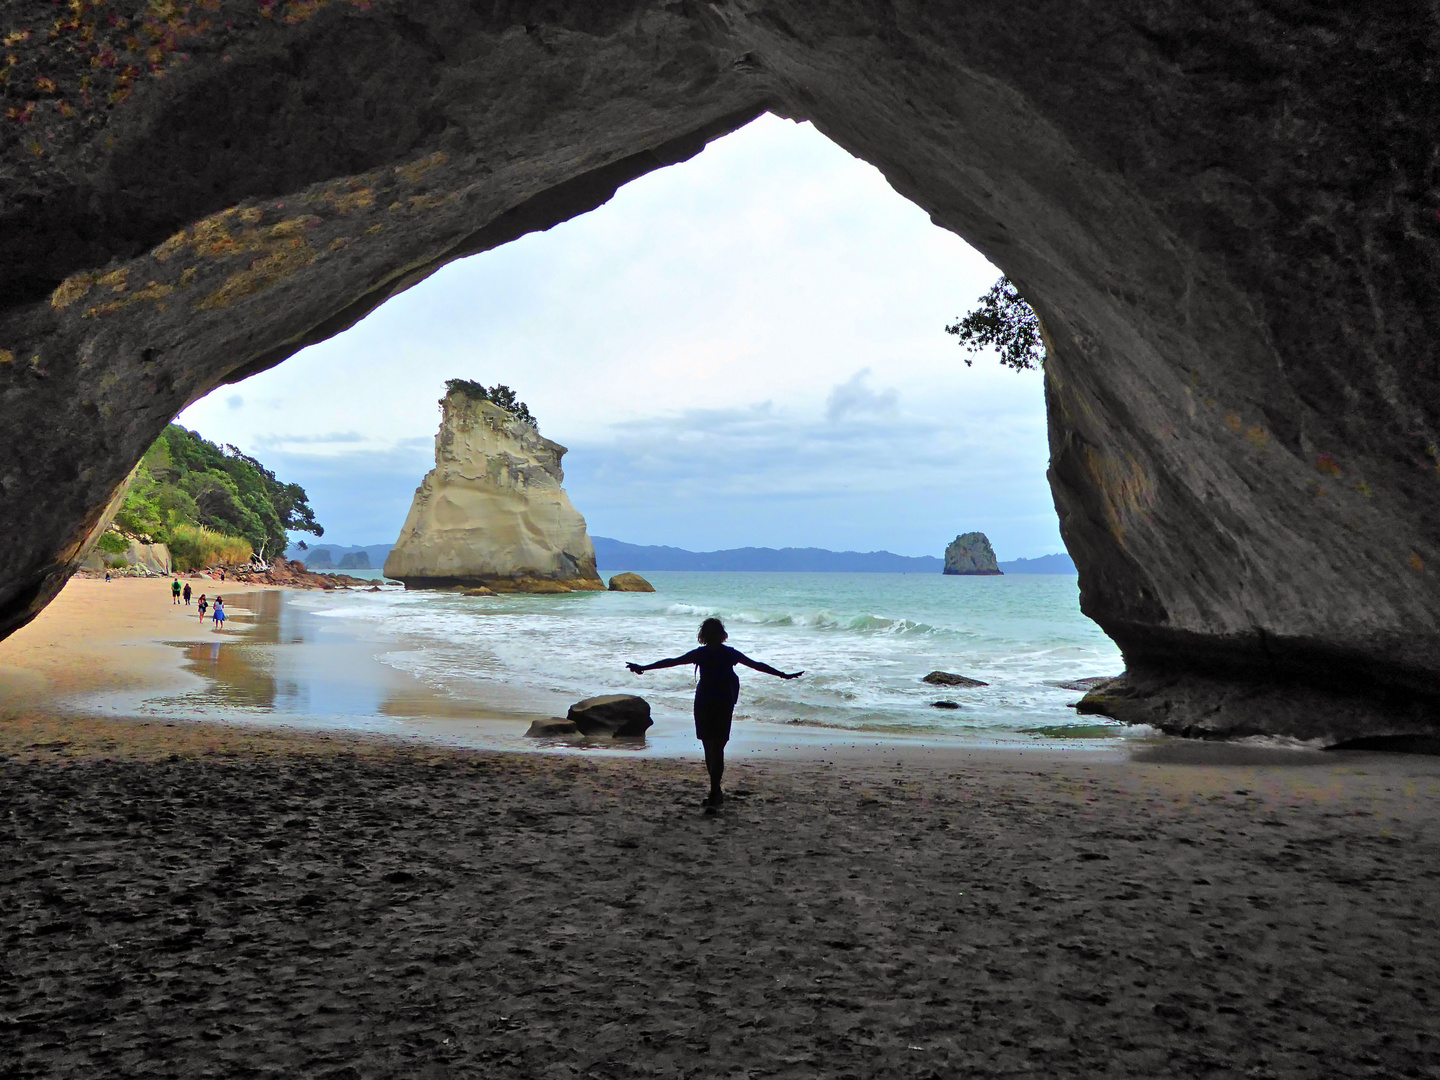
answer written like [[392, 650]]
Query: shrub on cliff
[[1003, 320], [499, 394], [187, 482]]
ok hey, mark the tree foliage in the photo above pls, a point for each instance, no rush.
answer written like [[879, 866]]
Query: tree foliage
[[499, 394], [1002, 320], [185, 482]]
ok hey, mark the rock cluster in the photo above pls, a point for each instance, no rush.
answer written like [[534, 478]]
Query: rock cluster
[[492, 511], [971, 553], [618, 715]]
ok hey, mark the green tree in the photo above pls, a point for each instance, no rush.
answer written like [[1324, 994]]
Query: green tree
[[1002, 320], [185, 481], [499, 394]]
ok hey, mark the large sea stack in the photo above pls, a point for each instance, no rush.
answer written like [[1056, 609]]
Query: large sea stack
[[971, 554], [492, 511]]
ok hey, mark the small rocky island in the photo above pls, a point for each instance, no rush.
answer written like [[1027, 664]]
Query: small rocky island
[[971, 553], [492, 512]]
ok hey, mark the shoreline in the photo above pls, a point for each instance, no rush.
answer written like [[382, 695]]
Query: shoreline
[[121, 649]]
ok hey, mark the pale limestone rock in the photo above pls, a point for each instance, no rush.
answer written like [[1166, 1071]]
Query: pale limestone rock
[[492, 511]]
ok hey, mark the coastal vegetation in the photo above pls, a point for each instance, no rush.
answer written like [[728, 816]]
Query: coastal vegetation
[[1002, 320], [499, 394], [209, 504]]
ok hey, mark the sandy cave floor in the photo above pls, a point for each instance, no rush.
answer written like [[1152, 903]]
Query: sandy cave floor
[[183, 900]]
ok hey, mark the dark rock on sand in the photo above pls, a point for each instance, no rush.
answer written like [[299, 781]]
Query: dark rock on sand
[[554, 726], [949, 678], [628, 582], [944, 704], [620, 715], [971, 555]]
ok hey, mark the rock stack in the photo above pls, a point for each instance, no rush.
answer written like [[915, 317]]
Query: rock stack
[[971, 553], [492, 511]]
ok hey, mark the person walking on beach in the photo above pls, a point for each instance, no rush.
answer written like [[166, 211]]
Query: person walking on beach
[[219, 617], [185, 592], [175, 591], [715, 696], [202, 605]]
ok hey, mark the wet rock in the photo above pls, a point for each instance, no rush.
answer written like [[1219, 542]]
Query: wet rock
[[629, 582], [944, 704], [1086, 684], [621, 715], [949, 678], [556, 725]]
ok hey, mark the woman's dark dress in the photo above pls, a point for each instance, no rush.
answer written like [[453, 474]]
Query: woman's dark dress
[[718, 690]]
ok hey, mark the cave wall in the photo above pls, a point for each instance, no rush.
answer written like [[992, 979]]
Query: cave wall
[[1224, 212]]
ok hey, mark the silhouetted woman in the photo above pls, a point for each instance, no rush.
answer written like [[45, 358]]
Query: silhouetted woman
[[715, 696]]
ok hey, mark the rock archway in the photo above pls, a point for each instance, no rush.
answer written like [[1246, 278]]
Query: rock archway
[[1224, 212]]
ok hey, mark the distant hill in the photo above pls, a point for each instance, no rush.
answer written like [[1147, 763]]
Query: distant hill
[[621, 556], [1044, 564], [374, 553], [616, 555], [613, 555]]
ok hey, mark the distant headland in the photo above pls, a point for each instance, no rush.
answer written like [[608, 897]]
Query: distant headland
[[615, 555]]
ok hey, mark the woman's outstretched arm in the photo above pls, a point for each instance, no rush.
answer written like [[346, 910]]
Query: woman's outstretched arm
[[766, 668], [674, 661]]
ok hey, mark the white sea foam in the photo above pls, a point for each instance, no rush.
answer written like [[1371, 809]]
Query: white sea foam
[[864, 640]]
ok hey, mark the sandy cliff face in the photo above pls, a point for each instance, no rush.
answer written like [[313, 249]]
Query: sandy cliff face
[[492, 511]]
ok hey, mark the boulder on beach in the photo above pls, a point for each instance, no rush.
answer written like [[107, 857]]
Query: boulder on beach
[[611, 714], [628, 582], [949, 678], [971, 554], [540, 729]]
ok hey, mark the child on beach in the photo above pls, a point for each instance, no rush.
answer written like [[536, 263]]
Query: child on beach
[[715, 696], [219, 617], [202, 605]]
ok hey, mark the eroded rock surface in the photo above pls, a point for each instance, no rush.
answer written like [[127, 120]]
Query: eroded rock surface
[[1226, 218], [492, 512]]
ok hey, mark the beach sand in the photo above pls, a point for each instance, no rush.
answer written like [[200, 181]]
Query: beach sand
[[181, 899]]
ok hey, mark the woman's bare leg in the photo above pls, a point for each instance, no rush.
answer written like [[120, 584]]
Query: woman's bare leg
[[715, 766]]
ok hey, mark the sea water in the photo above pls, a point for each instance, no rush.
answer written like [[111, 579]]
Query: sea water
[[864, 641]]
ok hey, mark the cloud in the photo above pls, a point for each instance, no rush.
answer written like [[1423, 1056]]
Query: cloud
[[234, 401], [855, 396]]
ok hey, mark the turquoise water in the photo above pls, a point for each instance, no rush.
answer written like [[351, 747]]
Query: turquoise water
[[863, 640]]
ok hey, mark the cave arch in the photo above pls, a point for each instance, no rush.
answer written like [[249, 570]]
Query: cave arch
[[1226, 220]]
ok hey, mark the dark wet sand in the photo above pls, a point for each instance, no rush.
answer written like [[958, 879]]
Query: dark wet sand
[[211, 901]]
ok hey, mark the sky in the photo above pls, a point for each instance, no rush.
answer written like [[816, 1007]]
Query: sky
[[745, 349]]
